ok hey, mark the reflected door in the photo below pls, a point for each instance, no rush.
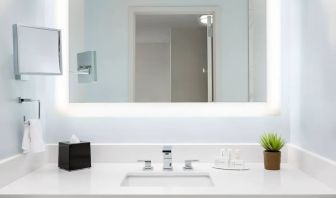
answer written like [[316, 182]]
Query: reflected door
[[174, 59]]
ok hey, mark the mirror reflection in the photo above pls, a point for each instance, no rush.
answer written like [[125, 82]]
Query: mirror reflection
[[167, 51], [173, 54]]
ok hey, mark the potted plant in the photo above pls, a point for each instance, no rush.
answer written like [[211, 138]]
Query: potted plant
[[272, 144]]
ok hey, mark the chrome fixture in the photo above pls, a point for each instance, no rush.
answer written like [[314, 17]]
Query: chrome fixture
[[204, 19], [148, 164], [23, 100], [87, 67], [188, 164], [167, 158]]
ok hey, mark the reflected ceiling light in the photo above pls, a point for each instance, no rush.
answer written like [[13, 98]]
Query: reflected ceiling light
[[204, 19]]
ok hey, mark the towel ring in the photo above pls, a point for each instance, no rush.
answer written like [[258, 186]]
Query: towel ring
[[23, 100]]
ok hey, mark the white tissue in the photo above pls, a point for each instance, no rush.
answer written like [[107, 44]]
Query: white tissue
[[74, 139]]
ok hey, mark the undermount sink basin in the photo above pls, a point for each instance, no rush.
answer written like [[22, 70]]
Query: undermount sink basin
[[167, 179]]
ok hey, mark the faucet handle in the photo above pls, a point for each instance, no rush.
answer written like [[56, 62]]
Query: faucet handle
[[188, 164], [148, 164], [167, 149]]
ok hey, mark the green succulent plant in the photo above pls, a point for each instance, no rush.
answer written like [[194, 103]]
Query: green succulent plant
[[272, 142]]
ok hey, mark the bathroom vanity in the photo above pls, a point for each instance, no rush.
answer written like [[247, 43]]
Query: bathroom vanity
[[202, 76], [204, 181], [120, 176]]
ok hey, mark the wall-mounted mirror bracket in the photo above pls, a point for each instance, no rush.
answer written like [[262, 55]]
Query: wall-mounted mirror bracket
[[87, 67]]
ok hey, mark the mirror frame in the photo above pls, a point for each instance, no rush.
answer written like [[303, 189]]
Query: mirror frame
[[17, 45], [269, 108]]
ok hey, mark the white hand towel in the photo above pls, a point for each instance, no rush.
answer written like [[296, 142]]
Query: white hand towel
[[33, 137], [26, 138]]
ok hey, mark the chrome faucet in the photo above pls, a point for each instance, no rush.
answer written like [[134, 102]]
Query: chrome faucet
[[167, 158]]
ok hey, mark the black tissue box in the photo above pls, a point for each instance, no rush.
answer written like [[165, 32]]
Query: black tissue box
[[74, 156]]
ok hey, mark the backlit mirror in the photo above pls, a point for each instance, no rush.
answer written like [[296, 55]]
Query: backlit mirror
[[167, 51]]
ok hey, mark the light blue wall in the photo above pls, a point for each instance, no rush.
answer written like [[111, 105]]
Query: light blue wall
[[313, 59], [308, 81], [59, 127], [30, 12], [170, 129]]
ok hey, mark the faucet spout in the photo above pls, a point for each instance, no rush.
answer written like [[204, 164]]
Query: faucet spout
[[167, 158]]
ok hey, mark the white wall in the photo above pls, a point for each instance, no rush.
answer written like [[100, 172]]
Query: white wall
[[34, 13], [312, 57], [171, 129]]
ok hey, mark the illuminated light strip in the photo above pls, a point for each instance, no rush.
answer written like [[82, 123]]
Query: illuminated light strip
[[62, 82], [271, 107], [274, 47]]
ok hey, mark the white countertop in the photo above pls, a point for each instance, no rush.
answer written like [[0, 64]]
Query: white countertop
[[105, 179]]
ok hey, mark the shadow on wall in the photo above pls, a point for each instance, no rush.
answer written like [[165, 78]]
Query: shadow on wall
[[317, 121]]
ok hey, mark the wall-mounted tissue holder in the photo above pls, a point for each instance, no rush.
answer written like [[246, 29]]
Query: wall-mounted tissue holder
[[23, 100]]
